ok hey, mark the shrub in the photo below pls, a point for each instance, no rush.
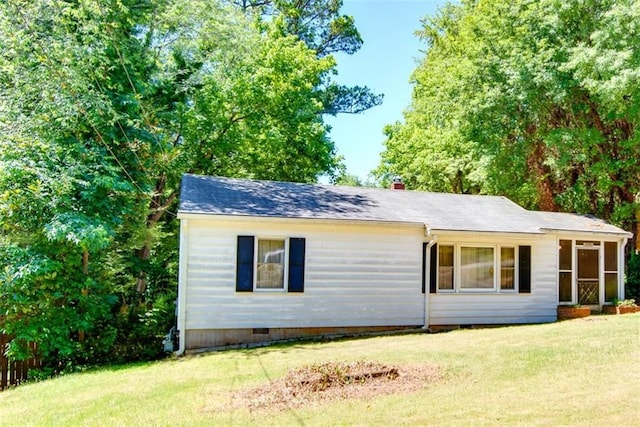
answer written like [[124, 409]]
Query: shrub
[[632, 286]]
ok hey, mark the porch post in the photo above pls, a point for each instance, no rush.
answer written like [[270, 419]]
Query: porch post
[[621, 246], [601, 277]]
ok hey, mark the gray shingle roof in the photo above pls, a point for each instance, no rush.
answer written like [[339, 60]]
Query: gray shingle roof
[[456, 212], [556, 221]]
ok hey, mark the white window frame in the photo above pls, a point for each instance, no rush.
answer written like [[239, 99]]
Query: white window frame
[[458, 283], [497, 267], [285, 276]]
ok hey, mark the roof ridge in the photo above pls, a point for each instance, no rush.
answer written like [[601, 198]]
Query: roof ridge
[[350, 187]]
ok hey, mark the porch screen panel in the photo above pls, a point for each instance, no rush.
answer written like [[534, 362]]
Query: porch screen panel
[[610, 271], [610, 286], [588, 282], [565, 255], [565, 271], [564, 287]]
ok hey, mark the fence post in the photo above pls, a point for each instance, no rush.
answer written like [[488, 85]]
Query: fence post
[[14, 372], [4, 364]]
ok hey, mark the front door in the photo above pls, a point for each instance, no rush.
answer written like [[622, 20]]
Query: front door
[[588, 277]]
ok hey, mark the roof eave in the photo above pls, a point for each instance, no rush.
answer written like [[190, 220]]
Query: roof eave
[[621, 233], [443, 231], [238, 218]]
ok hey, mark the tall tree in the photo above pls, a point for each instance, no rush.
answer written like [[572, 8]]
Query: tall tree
[[103, 106], [322, 27], [536, 100]]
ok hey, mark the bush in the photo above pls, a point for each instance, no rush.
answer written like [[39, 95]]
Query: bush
[[632, 286], [141, 329]]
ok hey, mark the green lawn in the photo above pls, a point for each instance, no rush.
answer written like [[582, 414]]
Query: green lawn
[[580, 372]]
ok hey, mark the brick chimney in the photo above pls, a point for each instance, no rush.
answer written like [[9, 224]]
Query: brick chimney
[[397, 184]]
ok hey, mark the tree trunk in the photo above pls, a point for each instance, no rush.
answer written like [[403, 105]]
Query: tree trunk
[[85, 291], [157, 208], [544, 182]]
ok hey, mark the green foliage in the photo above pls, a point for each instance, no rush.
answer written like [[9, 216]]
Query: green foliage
[[536, 100], [343, 99], [48, 299], [351, 180], [103, 106], [632, 283], [319, 24], [624, 302], [141, 329], [348, 180]]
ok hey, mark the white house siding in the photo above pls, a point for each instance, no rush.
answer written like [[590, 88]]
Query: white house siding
[[355, 275], [466, 308]]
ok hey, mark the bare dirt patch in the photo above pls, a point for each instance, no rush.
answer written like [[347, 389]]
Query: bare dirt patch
[[332, 381]]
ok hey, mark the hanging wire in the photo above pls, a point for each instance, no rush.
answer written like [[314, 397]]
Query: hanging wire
[[100, 138]]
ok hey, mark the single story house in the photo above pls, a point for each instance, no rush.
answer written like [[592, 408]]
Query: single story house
[[264, 260]]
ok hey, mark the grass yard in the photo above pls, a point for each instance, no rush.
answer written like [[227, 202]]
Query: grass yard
[[580, 372]]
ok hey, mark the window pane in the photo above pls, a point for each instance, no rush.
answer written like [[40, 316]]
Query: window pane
[[565, 254], [564, 287], [610, 256], [610, 286], [445, 267], [476, 268], [270, 264], [507, 268]]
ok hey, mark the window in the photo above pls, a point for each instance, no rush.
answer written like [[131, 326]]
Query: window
[[270, 264], [465, 268], [445, 267], [476, 268], [507, 268]]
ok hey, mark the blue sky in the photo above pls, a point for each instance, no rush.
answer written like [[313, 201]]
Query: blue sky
[[384, 64]]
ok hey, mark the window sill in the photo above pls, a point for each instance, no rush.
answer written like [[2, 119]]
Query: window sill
[[478, 292], [269, 290]]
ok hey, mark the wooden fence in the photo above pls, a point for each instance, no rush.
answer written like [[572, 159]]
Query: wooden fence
[[13, 372]]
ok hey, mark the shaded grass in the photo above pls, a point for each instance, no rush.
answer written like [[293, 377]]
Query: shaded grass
[[583, 372]]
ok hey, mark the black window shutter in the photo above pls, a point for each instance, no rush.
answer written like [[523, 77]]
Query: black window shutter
[[424, 266], [244, 265], [524, 269], [296, 264], [433, 268]]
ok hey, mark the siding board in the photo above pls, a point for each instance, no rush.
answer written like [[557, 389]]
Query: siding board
[[502, 308], [354, 276]]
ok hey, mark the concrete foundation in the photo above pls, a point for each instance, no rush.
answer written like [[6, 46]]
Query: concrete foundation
[[202, 339]]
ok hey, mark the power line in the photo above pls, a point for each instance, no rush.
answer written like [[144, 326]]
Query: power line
[[100, 138]]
